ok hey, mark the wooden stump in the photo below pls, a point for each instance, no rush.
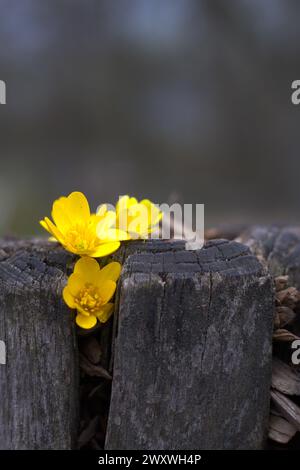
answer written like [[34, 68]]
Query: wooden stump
[[39, 407], [278, 248], [192, 364], [39, 382], [193, 351]]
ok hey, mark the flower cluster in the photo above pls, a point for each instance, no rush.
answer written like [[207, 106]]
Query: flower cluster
[[93, 235]]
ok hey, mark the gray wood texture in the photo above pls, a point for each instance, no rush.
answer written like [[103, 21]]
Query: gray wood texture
[[192, 366], [193, 348], [39, 406], [278, 248], [39, 383]]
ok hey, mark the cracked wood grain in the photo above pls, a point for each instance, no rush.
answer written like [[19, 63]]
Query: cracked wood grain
[[181, 378], [192, 366], [39, 383], [39, 390], [278, 248]]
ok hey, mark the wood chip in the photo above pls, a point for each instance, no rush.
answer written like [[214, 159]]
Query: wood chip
[[95, 445], [288, 297], [98, 390], [284, 378], [281, 282], [280, 430], [283, 316], [90, 347], [284, 335], [91, 369], [89, 432], [287, 408]]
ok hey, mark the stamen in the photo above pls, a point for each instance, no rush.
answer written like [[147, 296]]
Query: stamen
[[89, 299]]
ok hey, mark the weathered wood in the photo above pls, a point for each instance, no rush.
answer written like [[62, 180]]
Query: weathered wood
[[278, 248], [287, 408], [284, 336], [192, 363], [280, 430], [283, 316], [285, 379], [39, 383], [135, 247], [39, 406]]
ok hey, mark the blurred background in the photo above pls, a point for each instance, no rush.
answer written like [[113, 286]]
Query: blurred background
[[175, 100]]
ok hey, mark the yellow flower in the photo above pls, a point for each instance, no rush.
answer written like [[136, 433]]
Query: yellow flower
[[138, 219], [89, 290], [78, 230]]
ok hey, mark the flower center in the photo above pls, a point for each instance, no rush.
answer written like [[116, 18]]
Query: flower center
[[82, 238], [89, 299]]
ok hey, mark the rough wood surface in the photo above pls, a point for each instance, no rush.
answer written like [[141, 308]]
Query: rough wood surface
[[39, 383], [39, 406], [280, 430], [287, 408], [284, 378], [278, 248], [137, 247], [192, 363]]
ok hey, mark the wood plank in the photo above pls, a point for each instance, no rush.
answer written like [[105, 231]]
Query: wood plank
[[192, 363], [39, 383]]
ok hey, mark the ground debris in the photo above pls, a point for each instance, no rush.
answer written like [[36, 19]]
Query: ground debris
[[95, 386], [280, 430], [285, 415]]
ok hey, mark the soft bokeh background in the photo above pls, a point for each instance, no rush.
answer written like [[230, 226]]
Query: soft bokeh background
[[176, 100]]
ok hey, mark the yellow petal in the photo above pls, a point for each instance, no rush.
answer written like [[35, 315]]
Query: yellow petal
[[68, 297], [132, 201], [60, 214], [154, 213], [139, 222], [147, 203], [82, 311], [101, 210], [54, 231], [107, 290], [105, 313], [138, 210], [122, 203], [122, 221], [86, 322], [114, 234], [104, 249], [105, 224], [78, 207], [75, 284], [69, 247], [45, 226], [88, 268], [110, 272]]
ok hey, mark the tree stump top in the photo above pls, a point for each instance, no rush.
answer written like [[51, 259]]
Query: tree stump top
[[225, 256]]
